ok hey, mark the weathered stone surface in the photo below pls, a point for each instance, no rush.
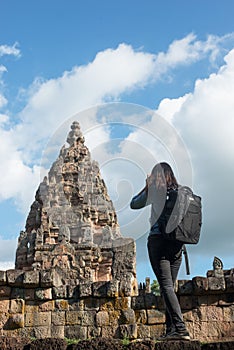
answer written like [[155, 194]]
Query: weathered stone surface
[[102, 318], [127, 316], [75, 332], [72, 233], [5, 291], [155, 317], [31, 279], [13, 343], [128, 331], [141, 316], [216, 283], [58, 318], [38, 319], [15, 278], [16, 306], [48, 344], [14, 322], [200, 285], [2, 278], [43, 294], [185, 287]]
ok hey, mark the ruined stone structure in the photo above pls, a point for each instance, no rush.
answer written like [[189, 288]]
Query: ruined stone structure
[[72, 225], [75, 274]]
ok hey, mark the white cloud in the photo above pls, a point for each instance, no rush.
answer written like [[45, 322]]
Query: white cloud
[[10, 50], [17, 179], [205, 122], [6, 265], [7, 252], [189, 50]]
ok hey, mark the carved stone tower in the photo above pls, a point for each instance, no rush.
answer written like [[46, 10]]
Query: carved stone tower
[[72, 225]]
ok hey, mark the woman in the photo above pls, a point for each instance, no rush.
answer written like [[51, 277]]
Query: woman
[[165, 256]]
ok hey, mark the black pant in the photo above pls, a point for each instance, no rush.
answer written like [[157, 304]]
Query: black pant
[[165, 258]]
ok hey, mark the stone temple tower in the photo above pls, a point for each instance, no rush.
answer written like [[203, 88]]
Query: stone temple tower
[[72, 227]]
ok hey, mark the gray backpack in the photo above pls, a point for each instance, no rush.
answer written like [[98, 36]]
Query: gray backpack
[[183, 216]]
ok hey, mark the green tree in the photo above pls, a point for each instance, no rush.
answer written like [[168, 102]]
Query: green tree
[[155, 287]]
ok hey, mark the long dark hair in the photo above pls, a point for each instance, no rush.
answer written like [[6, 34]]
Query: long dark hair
[[163, 177]]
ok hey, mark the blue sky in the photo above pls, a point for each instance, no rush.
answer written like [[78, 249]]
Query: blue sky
[[59, 58]]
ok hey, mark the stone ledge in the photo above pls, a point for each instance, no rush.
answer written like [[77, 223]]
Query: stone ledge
[[109, 343]]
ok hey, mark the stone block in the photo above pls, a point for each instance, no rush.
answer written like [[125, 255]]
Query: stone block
[[102, 318], [138, 302], [58, 318], [43, 294], [85, 289], [213, 299], [61, 305], [5, 291], [14, 322], [128, 331], [42, 332], [15, 278], [214, 313], [74, 317], [50, 278], [122, 303], [31, 307], [83, 318], [128, 286], [229, 280], [59, 292], [185, 287], [29, 294], [188, 316], [186, 302], [57, 332], [4, 306], [94, 332], [200, 285], [141, 317], [75, 332], [89, 304], [46, 278], [155, 317], [31, 279], [198, 314], [202, 299], [3, 278], [16, 306], [156, 331], [112, 288], [127, 316], [38, 319], [228, 313], [110, 332], [107, 305], [99, 289], [151, 301], [17, 293], [46, 306], [72, 292], [114, 317], [3, 321], [143, 331], [216, 284]]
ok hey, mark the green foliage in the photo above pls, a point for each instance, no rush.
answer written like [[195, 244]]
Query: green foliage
[[125, 341], [71, 341], [155, 287]]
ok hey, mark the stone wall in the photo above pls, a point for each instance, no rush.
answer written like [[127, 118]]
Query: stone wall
[[32, 305]]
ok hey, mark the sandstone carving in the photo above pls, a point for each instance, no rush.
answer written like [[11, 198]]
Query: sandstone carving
[[72, 224]]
